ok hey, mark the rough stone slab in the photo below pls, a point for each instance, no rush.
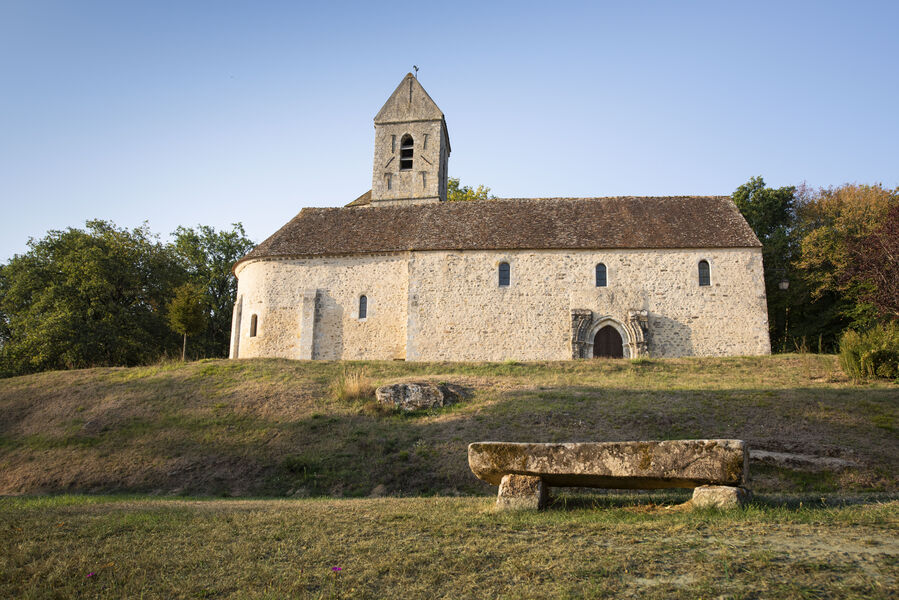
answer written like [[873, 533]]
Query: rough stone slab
[[415, 396], [615, 465], [521, 492], [719, 496]]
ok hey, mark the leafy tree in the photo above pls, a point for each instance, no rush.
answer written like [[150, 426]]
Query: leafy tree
[[187, 312], [458, 193], [874, 265], [80, 298], [831, 221], [207, 256], [770, 213]]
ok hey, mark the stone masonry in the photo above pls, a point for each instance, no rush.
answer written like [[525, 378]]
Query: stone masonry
[[448, 305]]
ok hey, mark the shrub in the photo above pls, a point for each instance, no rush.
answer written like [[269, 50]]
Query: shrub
[[874, 353], [351, 386]]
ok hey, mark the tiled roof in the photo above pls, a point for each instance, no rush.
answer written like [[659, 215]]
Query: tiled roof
[[515, 224]]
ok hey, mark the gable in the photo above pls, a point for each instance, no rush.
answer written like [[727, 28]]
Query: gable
[[408, 102]]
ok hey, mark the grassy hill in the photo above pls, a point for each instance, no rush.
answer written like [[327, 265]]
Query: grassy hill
[[277, 428]]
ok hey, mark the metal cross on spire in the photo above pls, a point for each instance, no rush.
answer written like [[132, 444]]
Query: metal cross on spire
[[416, 70]]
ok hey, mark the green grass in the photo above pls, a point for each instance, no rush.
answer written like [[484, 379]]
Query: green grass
[[279, 428], [584, 546]]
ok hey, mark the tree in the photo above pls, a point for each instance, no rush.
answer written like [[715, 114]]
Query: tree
[[187, 312], [457, 193], [770, 213], [80, 298], [831, 221], [207, 256], [874, 266]]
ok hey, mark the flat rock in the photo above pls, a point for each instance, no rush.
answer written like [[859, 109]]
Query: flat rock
[[417, 395], [615, 465]]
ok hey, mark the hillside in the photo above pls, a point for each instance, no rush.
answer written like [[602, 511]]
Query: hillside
[[274, 428]]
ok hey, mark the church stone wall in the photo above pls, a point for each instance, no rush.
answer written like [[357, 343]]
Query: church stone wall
[[463, 314], [446, 305], [274, 290]]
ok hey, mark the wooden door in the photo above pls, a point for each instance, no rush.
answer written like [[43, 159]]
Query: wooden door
[[607, 343]]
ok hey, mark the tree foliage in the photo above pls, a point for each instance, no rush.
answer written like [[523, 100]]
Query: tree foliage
[[80, 298], [187, 312], [837, 248], [207, 255], [874, 266], [455, 192], [98, 296]]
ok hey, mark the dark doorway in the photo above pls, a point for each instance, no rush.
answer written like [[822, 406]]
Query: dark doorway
[[607, 343]]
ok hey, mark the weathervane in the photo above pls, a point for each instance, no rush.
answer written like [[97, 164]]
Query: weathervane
[[416, 70]]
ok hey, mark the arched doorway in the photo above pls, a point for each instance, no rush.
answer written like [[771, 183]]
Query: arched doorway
[[607, 343]]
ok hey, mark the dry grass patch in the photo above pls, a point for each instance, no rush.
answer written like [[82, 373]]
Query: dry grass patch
[[275, 427], [444, 548]]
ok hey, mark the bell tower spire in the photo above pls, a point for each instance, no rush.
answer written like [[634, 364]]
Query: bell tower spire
[[412, 148]]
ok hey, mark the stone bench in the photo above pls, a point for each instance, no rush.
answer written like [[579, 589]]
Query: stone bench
[[717, 470]]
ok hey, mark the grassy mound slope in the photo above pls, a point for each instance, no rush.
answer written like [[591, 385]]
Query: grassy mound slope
[[274, 427]]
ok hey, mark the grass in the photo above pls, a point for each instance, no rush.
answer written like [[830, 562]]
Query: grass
[[167, 439], [599, 546], [292, 429]]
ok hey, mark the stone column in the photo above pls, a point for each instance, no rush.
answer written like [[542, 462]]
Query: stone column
[[521, 492]]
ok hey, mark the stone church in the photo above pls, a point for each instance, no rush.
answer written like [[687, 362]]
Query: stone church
[[400, 273]]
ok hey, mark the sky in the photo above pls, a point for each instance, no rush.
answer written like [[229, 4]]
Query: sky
[[185, 113]]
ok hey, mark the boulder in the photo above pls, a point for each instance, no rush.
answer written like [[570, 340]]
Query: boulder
[[616, 465], [417, 395]]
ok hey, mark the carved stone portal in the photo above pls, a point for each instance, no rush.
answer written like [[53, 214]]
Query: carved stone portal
[[636, 329], [581, 320]]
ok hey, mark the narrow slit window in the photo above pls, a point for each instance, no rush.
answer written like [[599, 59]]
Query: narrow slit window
[[253, 321], [504, 274], [406, 151], [705, 277], [601, 277], [363, 307]]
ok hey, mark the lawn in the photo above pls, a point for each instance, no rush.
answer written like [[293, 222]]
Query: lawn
[[583, 546]]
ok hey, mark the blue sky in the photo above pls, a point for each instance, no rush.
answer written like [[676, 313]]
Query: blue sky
[[185, 113]]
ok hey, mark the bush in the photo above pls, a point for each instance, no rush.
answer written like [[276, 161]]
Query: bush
[[874, 353]]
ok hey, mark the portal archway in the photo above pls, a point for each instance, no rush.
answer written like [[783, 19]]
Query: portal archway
[[607, 343]]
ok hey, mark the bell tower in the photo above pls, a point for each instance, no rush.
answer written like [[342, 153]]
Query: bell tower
[[412, 148]]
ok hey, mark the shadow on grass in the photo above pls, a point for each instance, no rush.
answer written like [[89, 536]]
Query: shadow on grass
[[576, 499]]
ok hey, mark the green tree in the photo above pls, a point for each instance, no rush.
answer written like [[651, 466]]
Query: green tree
[[771, 215], [187, 312], [207, 256], [458, 193], [80, 298], [830, 222]]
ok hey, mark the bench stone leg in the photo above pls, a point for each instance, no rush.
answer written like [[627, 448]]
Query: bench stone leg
[[521, 492], [720, 496]]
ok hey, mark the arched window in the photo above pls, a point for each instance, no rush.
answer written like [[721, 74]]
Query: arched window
[[253, 321], [406, 153], [705, 277], [504, 274], [601, 280], [363, 307]]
